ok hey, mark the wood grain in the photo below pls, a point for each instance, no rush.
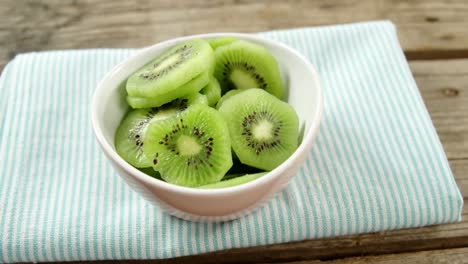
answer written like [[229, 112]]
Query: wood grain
[[427, 29], [444, 88], [430, 31], [452, 256]]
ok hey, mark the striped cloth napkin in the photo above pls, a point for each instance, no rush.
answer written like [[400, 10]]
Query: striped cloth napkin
[[377, 163]]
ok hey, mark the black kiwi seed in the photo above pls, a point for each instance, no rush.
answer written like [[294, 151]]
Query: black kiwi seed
[[245, 67], [170, 140], [254, 118], [183, 53]]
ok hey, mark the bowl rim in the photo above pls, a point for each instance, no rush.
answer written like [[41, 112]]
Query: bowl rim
[[305, 145]]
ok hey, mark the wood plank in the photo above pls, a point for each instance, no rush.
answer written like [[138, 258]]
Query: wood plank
[[425, 28], [452, 256], [444, 88]]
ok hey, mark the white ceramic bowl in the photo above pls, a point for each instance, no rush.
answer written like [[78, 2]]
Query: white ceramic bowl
[[304, 94]]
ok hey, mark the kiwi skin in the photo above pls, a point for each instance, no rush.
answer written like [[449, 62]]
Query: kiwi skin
[[193, 86], [218, 42], [212, 92]]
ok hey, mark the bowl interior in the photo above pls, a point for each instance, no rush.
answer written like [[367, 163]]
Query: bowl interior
[[300, 79]]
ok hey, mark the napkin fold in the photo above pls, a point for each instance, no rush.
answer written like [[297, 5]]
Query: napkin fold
[[377, 163]]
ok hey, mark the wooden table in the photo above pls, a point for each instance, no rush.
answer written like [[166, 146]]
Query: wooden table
[[433, 34]]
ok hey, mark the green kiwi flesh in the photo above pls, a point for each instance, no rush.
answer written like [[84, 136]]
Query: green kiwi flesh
[[226, 96], [217, 42], [212, 92], [191, 149], [172, 69], [129, 136], [233, 181], [263, 129], [244, 65], [194, 86]]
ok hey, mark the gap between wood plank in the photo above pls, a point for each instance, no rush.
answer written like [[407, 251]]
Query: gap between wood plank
[[436, 54]]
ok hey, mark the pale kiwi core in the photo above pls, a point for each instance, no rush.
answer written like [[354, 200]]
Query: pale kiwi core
[[242, 80], [166, 63], [263, 130], [188, 146]]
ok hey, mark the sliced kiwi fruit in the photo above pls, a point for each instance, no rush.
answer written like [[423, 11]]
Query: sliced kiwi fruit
[[233, 181], [226, 96], [244, 65], [263, 129], [129, 137], [191, 149], [217, 42], [238, 168], [172, 69], [212, 92], [151, 172], [194, 86]]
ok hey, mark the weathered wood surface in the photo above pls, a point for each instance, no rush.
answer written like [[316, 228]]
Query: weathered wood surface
[[448, 256], [427, 29], [436, 31]]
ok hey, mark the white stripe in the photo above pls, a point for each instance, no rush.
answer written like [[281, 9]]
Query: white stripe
[[419, 123], [16, 200], [388, 98]]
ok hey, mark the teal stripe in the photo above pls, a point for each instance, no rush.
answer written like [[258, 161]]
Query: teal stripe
[[392, 153], [17, 201], [413, 154], [34, 125], [60, 229], [60, 171], [9, 169], [5, 78], [41, 253], [299, 234], [424, 116], [451, 186], [248, 225], [327, 190], [381, 164], [304, 177], [372, 163], [90, 250], [351, 155], [94, 247]]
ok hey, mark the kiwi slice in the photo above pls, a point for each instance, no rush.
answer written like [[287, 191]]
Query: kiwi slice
[[191, 149], [129, 136], [226, 96], [212, 91], [233, 181], [172, 69], [263, 129], [151, 172], [244, 65], [217, 42], [240, 169], [191, 87]]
